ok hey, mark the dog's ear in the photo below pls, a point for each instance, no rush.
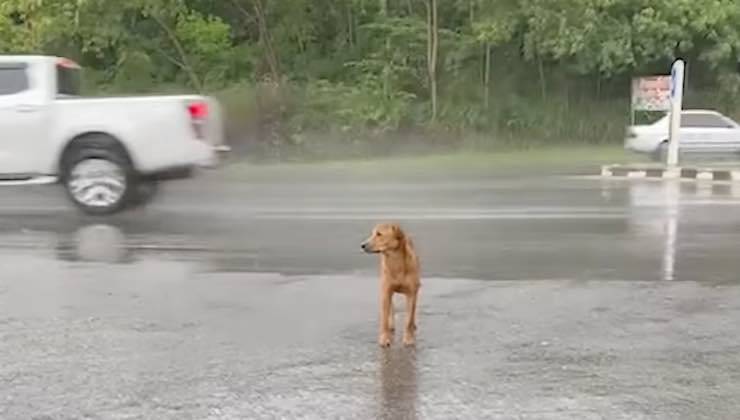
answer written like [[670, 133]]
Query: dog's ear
[[398, 232]]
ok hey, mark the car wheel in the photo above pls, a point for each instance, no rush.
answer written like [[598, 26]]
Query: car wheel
[[660, 154], [98, 176]]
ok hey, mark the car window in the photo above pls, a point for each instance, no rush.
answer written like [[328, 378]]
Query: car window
[[13, 79], [703, 121]]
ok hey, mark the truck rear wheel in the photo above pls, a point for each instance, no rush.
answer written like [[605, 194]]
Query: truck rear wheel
[[98, 175]]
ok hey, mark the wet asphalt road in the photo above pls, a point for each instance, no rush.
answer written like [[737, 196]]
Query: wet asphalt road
[[544, 298]]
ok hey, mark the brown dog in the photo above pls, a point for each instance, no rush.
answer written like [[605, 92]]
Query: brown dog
[[399, 273]]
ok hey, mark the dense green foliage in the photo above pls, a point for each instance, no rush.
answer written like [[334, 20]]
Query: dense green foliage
[[495, 70]]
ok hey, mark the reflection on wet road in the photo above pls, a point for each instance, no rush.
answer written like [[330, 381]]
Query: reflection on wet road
[[544, 298], [397, 382], [490, 230]]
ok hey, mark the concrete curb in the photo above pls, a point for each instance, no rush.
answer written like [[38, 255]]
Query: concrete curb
[[661, 172]]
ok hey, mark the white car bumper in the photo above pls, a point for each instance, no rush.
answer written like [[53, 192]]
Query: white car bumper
[[207, 156]]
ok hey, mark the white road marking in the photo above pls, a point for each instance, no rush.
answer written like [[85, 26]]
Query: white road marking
[[440, 216]]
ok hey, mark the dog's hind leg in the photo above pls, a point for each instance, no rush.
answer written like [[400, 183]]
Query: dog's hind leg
[[391, 318]]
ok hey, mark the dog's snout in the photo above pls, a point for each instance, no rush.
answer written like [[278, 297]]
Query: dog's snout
[[366, 246]]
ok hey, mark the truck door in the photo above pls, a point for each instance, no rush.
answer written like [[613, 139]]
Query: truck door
[[21, 122]]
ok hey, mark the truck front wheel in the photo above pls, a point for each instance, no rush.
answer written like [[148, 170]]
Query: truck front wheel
[[98, 175]]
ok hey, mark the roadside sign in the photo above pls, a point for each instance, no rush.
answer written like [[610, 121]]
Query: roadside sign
[[651, 93]]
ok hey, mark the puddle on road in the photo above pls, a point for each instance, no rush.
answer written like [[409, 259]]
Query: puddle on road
[[651, 231]]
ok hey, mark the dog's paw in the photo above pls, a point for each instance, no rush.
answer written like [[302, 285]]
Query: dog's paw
[[409, 340], [384, 341]]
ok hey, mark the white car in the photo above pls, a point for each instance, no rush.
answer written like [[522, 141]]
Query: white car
[[704, 132], [103, 150]]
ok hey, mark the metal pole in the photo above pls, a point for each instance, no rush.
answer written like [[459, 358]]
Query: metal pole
[[677, 78], [632, 101]]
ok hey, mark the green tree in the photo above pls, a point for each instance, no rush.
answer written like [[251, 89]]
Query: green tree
[[380, 65]]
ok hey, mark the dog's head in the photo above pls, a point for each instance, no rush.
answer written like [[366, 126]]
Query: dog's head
[[385, 237]]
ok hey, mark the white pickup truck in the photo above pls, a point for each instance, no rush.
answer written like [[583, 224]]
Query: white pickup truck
[[104, 151]]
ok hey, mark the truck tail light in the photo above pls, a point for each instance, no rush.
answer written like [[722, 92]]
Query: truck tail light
[[198, 112]]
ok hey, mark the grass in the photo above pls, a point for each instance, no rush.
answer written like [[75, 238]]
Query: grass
[[464, 163]]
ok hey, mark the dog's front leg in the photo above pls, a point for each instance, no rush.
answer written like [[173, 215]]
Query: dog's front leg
[[384, 339], [409, 336]]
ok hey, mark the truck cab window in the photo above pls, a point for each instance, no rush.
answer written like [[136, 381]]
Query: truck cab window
[[68, 81]]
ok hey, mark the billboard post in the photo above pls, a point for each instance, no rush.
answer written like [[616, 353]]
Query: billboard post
[[677, 79]]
